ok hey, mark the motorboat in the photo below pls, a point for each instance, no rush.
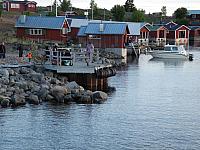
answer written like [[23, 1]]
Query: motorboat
[[173, 52]]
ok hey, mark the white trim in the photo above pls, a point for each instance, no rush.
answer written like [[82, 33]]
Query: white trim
[[183, 26], [171, 22]]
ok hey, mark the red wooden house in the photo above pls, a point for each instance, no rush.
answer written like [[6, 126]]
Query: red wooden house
[[108, 36], [19, 6], [195, 36], [144, 36], [42, 28], [194, 17]]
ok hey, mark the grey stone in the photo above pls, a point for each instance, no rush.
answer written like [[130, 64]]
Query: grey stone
[[99, 96], [33, 99]]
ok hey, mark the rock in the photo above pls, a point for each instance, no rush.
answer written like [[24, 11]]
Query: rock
[[49, 97], [17, 100], [24, 70], [11, 72], [4, 73], [2, 90], [35, 89], [33, 99], [4, 80], [58, 92], [22, 85], [68, 98], [43, 93], [54, 81], [85, 99], [99, 96], [5, 102], [72, 85], [37, 77]]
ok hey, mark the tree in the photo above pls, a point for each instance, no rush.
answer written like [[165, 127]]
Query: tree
[[94, 8], [129, 6], [1, 9], [180, 13], [138, 16], [118, 12], [164, 11], [65, 5]]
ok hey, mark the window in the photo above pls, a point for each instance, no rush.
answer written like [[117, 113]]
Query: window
[[4, 5], [35, 31], [14, 5], [94, 37], [182, 34], [194, 16]]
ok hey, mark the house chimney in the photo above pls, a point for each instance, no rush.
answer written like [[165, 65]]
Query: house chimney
[[101, 27], [22, 19]]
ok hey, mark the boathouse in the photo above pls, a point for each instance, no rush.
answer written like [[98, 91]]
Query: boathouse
[[178, 34], [157, 34], [195, 36], [19, 6], [144, 36], [42, 28], [108, 36]]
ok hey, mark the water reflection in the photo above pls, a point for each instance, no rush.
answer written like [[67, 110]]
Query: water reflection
[[168, 62]]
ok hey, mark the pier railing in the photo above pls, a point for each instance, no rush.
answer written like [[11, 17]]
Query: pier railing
[[67, 56]]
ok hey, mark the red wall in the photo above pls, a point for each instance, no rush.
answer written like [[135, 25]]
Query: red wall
[[54, 35], [182, 28], [73, 33], [21, 8]]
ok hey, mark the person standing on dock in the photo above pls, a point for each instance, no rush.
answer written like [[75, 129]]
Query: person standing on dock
[[2, 50], [90, 51]]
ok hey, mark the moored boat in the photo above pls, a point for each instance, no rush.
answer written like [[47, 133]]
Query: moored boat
[[171, 52]]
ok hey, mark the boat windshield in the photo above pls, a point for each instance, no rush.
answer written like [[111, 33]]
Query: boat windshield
[[169, 48]]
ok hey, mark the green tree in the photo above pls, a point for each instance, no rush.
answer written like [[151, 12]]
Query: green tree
[[94, 9], [164, 11], [129, 6], [1, 10], [180, 13], [118, 12], [138, 16], [65, 5]]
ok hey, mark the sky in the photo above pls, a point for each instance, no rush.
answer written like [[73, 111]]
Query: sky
[[148, 5]]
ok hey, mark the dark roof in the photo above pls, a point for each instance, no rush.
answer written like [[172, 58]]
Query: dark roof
[[40, 22], [153, 27], [194, 27], [108, 28], [175, 27]]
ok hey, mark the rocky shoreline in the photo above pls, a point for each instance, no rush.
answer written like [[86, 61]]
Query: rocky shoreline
[[34, 85]]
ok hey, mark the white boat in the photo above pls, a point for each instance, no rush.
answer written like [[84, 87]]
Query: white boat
[[171, 51]]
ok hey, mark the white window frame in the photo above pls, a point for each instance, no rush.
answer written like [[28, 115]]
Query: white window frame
[[35, 32], [31, 5], [13, 5], [4, 5]]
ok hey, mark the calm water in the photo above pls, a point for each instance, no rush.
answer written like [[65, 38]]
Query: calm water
[[156, 105]]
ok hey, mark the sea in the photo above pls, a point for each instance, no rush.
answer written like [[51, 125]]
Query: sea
[[155, 106]]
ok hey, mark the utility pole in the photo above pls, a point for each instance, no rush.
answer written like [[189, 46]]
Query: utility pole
[[56, 8], [92, 12]]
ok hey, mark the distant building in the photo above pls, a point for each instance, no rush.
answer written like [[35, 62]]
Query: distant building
[[19, 6], [195, 36], [178, 34], [42, 28], [194, 17], [108, 36]]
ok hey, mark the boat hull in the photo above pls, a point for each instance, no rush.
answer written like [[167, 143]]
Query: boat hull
[[168, 55]]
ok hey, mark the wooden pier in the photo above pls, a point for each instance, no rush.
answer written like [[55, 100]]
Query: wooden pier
[[77, 68]]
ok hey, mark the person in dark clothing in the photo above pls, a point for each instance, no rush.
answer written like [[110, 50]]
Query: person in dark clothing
[[20, 49], [2, 50]]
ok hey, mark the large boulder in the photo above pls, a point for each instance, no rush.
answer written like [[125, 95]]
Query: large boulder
[[99, 97], [37, 77], [43, 93], [33, 99], [4, 73], [68, 98], [24, 70], [17, 100], [4, 101], [85, 99], [58, 92]]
